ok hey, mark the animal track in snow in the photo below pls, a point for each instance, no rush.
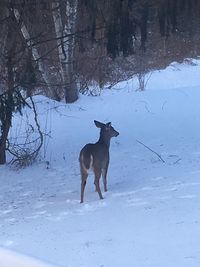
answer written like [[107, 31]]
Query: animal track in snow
[[26, 194], [4, 212], [164, 198], [41, 212], [8, 243], [147, 188], [11, 220], [192, 184], [124, 194], [171, 189], [40, 205], [188, 196], [158, 178], [137, 202], [195, 172], [90, 207], [54, 218]]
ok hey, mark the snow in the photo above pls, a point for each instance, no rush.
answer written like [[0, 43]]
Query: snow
[[10, 258], [150, 214]]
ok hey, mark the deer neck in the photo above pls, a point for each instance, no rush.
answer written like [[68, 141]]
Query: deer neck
[[104, 140]]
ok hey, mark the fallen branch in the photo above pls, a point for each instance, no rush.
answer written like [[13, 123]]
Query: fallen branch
[[177, 161], [159, 156]]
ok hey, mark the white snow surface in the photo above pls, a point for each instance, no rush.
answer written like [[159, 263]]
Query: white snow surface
[[150, 216], [10, 258]]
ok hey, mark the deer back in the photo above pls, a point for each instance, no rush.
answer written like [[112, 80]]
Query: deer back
[[94, 156]]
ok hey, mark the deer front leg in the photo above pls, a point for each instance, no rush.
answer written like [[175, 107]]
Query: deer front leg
[[104, 174], [96, 182]]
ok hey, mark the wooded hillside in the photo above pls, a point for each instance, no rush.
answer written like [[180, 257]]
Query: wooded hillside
[[59, 47]]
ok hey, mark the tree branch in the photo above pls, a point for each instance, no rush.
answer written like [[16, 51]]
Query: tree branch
[[159, 156]]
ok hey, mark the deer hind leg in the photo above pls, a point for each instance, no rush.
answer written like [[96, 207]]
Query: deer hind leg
[[84, 176], [96, 182]]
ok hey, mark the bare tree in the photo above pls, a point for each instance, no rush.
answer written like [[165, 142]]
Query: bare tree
[[7, 104], [64, 16]]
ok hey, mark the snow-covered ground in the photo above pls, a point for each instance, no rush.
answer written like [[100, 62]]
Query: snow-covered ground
[[150, 216], [13, 259]]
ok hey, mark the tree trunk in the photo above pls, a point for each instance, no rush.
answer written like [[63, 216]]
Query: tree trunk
[[10, 45], [6, 123], [36, 57], [71, 90], [65, 33], [3, 139]]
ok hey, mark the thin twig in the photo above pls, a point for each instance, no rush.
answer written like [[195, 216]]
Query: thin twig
[[159, 156], [38, 128], [177, 161]]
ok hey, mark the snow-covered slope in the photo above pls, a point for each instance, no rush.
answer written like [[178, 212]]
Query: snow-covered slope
[[10, 258], [150, 214]]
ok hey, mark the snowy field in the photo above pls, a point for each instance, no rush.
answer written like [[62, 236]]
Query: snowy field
[[150, 216]]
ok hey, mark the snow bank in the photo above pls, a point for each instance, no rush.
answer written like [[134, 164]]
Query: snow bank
[[12, 259]]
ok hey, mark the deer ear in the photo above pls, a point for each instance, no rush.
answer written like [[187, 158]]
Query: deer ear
[[99, 124], [108, 124]]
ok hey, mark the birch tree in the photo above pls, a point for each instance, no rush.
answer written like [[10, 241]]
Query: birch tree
[[64, 17], [36, 56]]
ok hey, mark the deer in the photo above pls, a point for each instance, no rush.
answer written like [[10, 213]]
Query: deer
[[96, 157]]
